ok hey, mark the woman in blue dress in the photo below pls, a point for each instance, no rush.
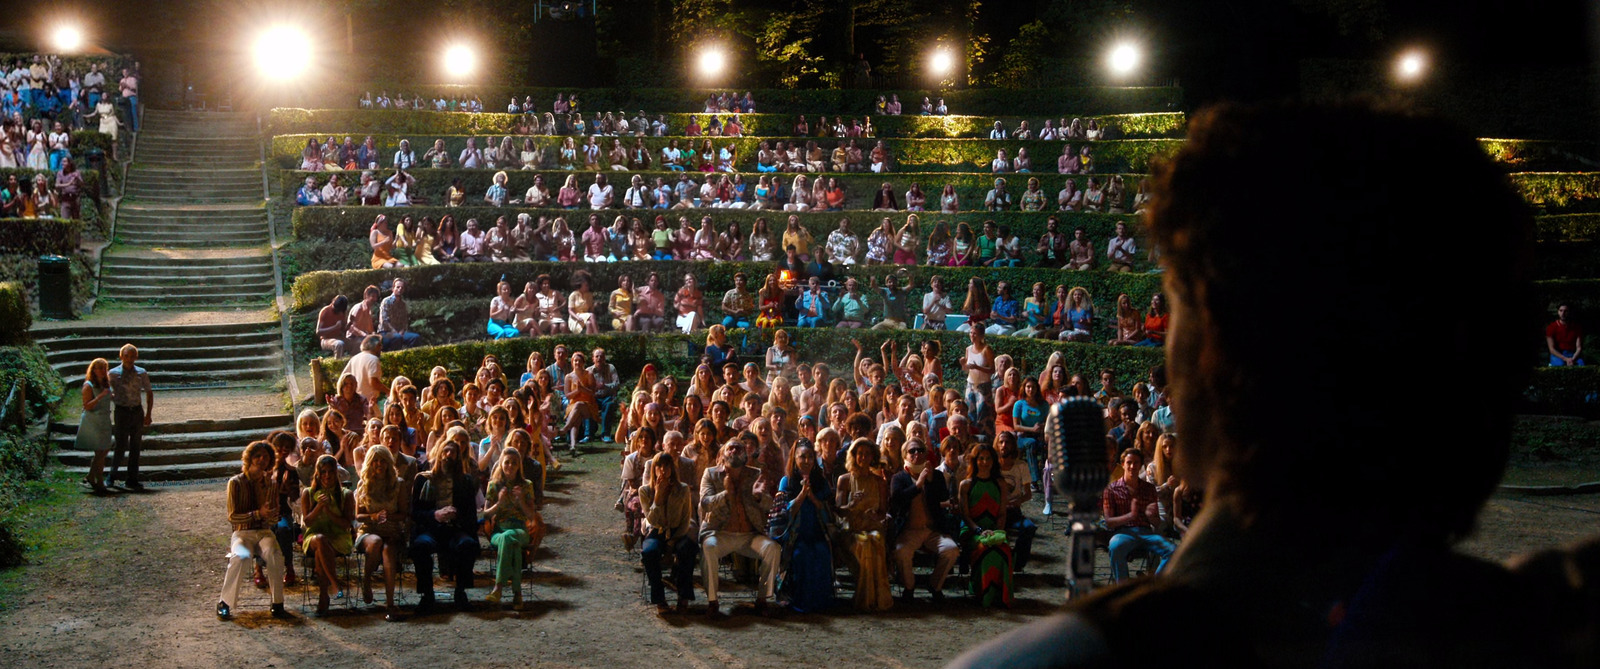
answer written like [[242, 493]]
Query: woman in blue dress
[[94, 431], [808, 498]]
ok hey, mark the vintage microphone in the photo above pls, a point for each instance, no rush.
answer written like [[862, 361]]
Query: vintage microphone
[[1076, 435]]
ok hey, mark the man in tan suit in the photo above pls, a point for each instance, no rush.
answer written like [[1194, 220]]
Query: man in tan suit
[[734, 520]]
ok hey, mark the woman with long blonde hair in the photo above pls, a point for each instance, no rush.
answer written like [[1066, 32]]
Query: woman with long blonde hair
[[1130, 323], [513, 511], [94, 430], [863, 500], [381, 518]]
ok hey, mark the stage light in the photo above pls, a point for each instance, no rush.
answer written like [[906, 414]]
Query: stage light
[[942, 63], [67, 38], [712, 62], [460, 61], [1411, 66], [1124, 58], [283, 52]]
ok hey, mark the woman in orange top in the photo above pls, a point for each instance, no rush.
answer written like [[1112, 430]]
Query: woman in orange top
[[579, 387], [1155, 322], [835, 195]]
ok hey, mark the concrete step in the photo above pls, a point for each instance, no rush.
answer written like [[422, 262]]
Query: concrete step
[[133, 214], [189, 472], [136, 228], [243, 263], [198, 375], [149, 137], [47, 336], [247, 189], [84, 349], [190, 301], [120, 287], [241, 360], [190, 241], [177, 198], [175, 160], [241, 178], [158, 457], [68, 361], [211, 428]]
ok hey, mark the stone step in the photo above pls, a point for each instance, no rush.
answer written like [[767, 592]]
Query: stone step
[[224, 190], [189, 472], [192, 239], [242, 178], [124, 287], [189, 300], [150, 138], [242, 263], [228, 162], [220, 357], [242, 196], [151, 458], [211, 428], [189, 227], [46, 336], [151, 352], [206, 373], [84, 349], [130, 213]]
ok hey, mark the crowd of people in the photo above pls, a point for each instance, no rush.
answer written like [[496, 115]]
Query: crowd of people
[[44, 196], [411, 242], [60, 98], [564, 104], [773, 459]]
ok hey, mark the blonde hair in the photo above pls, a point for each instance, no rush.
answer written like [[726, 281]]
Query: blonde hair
[[499, 475], [371, 482]]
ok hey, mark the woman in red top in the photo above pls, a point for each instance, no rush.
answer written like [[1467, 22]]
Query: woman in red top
[[1155, 322]]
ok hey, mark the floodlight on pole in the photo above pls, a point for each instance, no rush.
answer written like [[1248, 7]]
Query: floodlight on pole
[[66, 38], [942, 63], [1411, 66], [282, 52], [1124, 58], [460, 61], [712, 61]]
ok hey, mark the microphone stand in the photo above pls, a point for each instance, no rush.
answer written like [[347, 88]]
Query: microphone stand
[[1080, 549]]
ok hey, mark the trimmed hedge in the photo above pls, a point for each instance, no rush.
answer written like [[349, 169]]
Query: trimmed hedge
[[1559, 192], [1567, 260], [285, 121], [1540, 155], [859, 188], [353, 223], [907, 155], [40, 236], [15, 316], [24, 269], [1567, 227], [1567, 391], [981, 101]]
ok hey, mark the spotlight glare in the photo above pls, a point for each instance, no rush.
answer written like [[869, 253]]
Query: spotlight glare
[[282, 52], [460, 61], [712, 61], [1124, 58], [1411, 66], [942, 62], [67, 38]]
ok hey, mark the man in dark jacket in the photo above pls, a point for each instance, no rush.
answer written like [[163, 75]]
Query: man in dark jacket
[[444, 521], [919, 521]]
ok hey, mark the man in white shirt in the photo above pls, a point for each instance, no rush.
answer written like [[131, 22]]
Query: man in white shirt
[[672, 156], [601, 193], [470, 158], [639, 196], [405, 157], [367, 369], [471, 243], [998, 132], [1121, 250], [935, 304]]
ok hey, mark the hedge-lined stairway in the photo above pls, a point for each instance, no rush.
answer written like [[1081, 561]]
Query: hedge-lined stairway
[[189, 280]]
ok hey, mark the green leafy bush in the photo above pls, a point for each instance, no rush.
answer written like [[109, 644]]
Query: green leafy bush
[[40, 236], [15, 317], [1559, 192], [980, 101], [28, 364], [907, 155], [361, 122], [1567, 260], [1568, 227], [859, 188], [1540, 155]]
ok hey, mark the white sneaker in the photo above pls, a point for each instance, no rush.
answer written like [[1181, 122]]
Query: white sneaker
[[1046, 508]]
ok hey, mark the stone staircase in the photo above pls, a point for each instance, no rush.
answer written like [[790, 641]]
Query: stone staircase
[[193, 449], [190, 281]]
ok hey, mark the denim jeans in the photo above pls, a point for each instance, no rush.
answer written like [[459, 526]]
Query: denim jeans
[[731, 322], [1036, 454], [1127, 539], [1023, 529], [403, 340], [458, 548], [684, 551]]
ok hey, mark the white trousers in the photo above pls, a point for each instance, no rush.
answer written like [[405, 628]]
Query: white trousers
[[242, 552], [748, 544]]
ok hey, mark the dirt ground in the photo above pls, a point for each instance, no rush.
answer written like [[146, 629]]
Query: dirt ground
[[134, 578]]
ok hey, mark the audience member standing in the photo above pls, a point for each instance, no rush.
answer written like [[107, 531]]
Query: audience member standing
[[134, 400]]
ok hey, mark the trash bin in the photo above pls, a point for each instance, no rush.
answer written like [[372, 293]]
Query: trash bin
[[97, 162], [55, 287]]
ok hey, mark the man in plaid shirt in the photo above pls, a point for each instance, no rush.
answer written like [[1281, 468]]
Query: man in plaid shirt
[[1127, 505]]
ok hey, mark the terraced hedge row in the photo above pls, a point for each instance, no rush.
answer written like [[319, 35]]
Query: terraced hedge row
[[40, 236], [1559, 192], [287, 121], [858, 188], [980, 101], [907, 155]]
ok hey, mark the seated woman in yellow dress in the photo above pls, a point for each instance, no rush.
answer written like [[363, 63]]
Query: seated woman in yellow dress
[[329, 514]]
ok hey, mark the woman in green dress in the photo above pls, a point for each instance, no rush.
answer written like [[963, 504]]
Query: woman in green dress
[[513, 511], [328, 521], [983, 498]]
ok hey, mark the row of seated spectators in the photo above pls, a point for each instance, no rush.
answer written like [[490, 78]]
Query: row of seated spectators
[[773, 460], [564, 104], [847, 155], [410, 242], [723, 191]]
